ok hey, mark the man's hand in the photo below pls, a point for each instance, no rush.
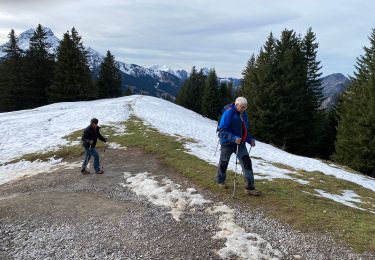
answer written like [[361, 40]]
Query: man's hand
[[252, 143], [91, 142], [238, 140], [106, 139]]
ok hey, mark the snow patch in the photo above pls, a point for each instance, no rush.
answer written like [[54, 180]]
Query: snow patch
[[116, 146], [120, 129], [239, 242], [14, 171], [168, 194], [348, 198]]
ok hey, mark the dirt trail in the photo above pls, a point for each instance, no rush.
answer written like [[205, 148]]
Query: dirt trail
[[67, 215]]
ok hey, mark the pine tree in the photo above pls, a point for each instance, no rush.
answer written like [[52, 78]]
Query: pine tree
[[109, 80], [72, 80], [355, 144], [283, 88], [128, 92], [194, 93], [259, 88], [181, 98], [318, 117], [225, 93], [291, 122], [329, 132], [211, 103], [38, 69], [190, 94], [12, 89]]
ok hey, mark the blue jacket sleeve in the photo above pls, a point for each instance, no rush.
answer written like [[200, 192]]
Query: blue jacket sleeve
[[224, 127]]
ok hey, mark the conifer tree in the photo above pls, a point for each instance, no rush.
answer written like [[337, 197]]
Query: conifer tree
[[182, 95], [11, 77], [291, 122], [225, 93], [109, 80], [190, 94], [72, 79], [211, 103], [259, 88], [128, 92], [38, 69], [355, 144], [283, 90], [318, 117]]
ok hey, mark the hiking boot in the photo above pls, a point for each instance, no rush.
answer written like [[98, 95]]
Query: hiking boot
[[84, 171], [100, 172], [222, 186], [253, 192]]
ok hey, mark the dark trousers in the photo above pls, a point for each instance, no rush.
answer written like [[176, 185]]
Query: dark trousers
[[243, 156], [88, 153]]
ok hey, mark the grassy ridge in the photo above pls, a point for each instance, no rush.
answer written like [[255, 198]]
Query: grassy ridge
[[283, 199]]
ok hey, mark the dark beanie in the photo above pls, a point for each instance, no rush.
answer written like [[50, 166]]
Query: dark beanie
[[94, 121]]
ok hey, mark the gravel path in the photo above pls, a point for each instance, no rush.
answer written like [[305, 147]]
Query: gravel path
[[65, 215]]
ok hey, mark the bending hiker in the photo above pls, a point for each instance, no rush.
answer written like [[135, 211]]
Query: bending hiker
[[233, 132], [89, 138]]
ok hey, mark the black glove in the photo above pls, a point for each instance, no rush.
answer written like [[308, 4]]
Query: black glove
[[106, 139]]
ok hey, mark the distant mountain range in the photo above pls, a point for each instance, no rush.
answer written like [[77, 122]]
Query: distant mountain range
[[156, 82], [160, 80], [333, 85]]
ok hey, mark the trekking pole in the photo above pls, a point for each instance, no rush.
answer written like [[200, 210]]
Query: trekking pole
[[217, 146], [235, 173], [105, 149]]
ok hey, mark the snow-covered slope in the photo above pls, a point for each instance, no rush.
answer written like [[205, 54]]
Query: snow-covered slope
[[44, 128]]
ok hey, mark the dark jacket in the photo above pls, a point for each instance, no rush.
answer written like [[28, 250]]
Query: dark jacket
[[91, 134], [230, 126]]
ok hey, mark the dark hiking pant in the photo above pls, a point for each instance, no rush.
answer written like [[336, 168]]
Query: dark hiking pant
[[88, 153], [243, 157]]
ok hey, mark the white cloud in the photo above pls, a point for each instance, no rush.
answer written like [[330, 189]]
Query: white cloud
[[220, 33]]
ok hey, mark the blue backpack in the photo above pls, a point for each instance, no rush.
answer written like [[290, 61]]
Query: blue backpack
[[225, 108]]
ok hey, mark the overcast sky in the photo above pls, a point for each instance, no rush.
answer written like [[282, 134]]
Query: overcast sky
[[213, 33]]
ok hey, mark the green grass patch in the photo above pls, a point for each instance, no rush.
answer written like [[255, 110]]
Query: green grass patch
[[282, 199], [65, 152]]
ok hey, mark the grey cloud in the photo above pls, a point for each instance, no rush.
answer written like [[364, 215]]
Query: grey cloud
[[214, 33]]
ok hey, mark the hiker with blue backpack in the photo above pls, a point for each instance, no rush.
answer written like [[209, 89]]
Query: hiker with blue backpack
[[234, 134]]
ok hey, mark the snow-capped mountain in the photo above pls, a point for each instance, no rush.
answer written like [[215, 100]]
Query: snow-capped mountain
[[182, 74], [138, 78], [24, 41]]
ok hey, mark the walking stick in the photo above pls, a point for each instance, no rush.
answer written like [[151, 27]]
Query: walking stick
[[105, 149], [217, 146], [235, 173]]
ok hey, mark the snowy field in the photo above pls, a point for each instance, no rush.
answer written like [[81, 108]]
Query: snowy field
[[43, 129]]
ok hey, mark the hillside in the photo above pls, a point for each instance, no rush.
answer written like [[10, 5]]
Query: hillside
[[302, 192]]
